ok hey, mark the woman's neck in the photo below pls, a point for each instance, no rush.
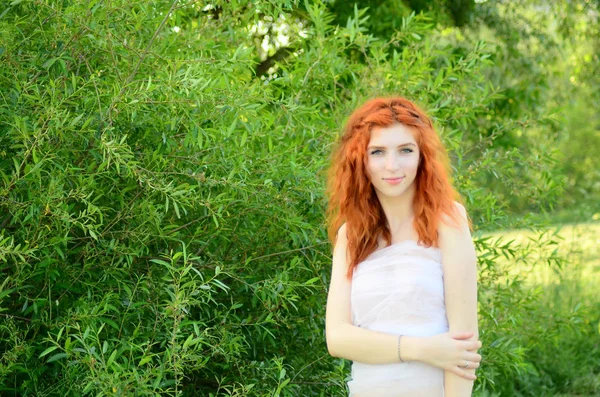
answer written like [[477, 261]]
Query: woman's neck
[[398, 210]]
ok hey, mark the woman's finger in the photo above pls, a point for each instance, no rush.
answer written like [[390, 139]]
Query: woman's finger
[[471, 345], [463, 374], [473, 357], [461, 335], [470, 357], [472, 364]]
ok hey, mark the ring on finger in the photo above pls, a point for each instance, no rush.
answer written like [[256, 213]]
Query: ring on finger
[[466, 365]]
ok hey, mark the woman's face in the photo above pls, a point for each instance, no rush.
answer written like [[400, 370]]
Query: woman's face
[[392, 159]]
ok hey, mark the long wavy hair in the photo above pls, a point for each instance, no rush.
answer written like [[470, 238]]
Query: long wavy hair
[[352, 197]]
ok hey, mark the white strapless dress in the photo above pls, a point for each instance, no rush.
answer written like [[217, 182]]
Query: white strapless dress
[[399, 289]]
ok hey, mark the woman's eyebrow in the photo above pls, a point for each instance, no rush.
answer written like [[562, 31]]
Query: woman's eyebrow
[[385, 147]]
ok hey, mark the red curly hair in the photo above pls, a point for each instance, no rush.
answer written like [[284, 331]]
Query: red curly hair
[[352, 197]]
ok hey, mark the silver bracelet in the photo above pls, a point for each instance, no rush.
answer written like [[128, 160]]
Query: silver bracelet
[[399, 356]]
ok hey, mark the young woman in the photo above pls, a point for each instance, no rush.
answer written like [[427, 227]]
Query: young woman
[[402, 303]]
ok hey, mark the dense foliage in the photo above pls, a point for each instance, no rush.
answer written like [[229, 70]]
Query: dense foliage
[[162, 176]]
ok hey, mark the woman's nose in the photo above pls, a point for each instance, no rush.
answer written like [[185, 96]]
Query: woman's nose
[[392, 162]]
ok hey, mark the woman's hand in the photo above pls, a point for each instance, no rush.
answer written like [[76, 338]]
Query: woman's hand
[[451, 351]]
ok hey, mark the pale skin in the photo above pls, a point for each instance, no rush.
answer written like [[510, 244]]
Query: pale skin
[[393, 156]]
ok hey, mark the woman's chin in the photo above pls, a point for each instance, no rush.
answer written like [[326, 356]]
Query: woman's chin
[[391, 191]]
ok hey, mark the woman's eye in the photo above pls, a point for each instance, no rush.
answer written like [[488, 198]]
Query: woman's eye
[[406, 150], [376, 151]]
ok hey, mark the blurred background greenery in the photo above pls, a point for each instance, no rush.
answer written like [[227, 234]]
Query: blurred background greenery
[[162, 174]]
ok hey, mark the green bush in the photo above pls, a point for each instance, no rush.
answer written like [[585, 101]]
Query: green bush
[[162, 208]]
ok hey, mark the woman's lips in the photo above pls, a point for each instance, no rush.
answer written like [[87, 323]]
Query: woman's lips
[[393, 181]]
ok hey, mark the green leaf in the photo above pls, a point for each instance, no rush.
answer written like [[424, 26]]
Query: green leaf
[[49, 63], [93, 234], [7, 292], [232, 126], [161, 262], [111, 358], [47, 351], [76, 120], [145, 360], [57, 356], [176, 207]]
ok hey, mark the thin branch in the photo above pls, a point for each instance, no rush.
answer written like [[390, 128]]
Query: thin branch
[[139, 63], [286, 252], [17, 317]]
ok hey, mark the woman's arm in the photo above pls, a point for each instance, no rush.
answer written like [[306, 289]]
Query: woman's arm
[[347, 341], [460, 292]]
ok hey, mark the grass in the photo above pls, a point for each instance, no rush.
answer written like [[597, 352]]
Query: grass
[[574, 257], [565, 262]]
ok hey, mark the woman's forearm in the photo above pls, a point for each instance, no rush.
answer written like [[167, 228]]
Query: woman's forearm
[[371, 347], [456, 386]]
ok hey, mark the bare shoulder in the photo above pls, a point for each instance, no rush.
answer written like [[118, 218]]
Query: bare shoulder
[[448, 223], [341, 239], [340, 247], [461, 209], [338, 296], [342, 232], [454, 232]]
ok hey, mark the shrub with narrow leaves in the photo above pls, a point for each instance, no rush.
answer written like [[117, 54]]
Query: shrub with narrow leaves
[[161, 191]]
